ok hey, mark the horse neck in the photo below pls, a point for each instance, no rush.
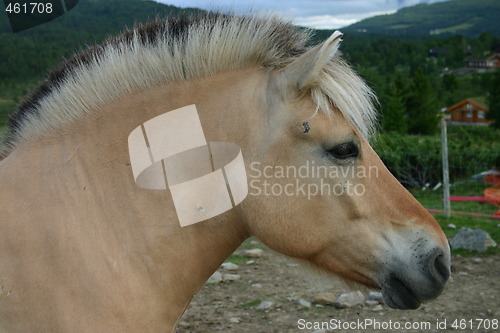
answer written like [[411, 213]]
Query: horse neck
[[87, 169]]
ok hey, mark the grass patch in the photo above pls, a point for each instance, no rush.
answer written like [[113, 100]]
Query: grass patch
[[432, 200], [452, 29], [468, 253], [323, 309], [251, 304], [237, 259], [252, 243], [7, 107], [400, 26], [488, 225]]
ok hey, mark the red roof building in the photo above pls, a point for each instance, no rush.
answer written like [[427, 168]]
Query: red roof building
[[467, 112]]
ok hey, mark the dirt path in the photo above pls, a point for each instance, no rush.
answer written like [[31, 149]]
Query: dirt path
[[472, 295]]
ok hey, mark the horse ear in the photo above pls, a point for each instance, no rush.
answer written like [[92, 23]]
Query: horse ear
[[303, 71]]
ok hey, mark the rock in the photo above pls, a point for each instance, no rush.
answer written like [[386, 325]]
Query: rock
[[452, 226], [477, 260], [437, 186], [349, 300], [230, 266], [215, 278], [320, 331], [371, 302], [250, 262], [377, 308], [292, 298], [234, 320], [376, 296], [184, 324], [256, 285], [303, 303], [230, 277], [472, 239], [254, 253], [325, 298], [264, 305]]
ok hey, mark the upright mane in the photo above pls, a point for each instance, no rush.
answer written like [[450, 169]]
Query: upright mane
[[180, 48]]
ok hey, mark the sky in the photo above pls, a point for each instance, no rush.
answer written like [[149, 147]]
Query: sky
[[318, 14]]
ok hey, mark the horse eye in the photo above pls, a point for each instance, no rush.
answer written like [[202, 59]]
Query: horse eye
[[345, 150]]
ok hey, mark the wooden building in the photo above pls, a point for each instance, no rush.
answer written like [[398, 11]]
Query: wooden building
[[491, 62], [467, 112]]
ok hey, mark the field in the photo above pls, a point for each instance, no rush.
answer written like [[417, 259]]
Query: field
[[432, 200], [472, 294], [452, 29]]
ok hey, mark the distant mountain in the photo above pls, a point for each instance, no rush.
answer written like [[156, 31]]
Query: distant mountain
[[464, 17]]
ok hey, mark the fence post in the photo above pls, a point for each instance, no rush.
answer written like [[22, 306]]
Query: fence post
[[446, 178]]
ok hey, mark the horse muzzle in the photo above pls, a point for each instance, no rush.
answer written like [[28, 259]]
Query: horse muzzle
[[405, 285]]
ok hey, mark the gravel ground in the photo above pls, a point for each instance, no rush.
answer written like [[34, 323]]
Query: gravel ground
[[471, 298]]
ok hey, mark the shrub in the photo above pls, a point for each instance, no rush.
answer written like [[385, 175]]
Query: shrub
[[416, 160]]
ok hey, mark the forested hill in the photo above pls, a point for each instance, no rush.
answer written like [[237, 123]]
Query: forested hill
[[464, 17], [95, 18], [28, 54]]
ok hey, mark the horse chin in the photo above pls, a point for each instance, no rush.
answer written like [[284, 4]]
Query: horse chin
[[406, 286], [398, 296]]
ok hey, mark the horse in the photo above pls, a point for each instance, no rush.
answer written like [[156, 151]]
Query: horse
[[84, 249]]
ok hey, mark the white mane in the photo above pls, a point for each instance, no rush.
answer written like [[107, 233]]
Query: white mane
[[181, 49]]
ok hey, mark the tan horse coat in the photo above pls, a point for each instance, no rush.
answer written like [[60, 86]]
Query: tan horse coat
[[83, 249]]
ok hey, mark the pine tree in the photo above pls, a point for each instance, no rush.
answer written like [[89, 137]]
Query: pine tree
[[422, 106], [450, 82], [494, 100], [395, 118]]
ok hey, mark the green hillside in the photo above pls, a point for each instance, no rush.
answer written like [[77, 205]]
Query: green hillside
[[464, 17], [28, 54]]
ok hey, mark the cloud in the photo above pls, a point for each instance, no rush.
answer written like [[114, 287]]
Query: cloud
[[319, 14], [406, 3], [334, 21], [323, 21]]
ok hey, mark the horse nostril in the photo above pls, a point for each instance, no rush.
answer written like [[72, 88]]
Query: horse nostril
[[440, 269]]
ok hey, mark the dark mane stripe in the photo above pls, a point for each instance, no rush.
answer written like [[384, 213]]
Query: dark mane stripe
[[165, 47]]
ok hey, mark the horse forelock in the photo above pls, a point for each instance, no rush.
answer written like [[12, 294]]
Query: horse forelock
[[180, 48]]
